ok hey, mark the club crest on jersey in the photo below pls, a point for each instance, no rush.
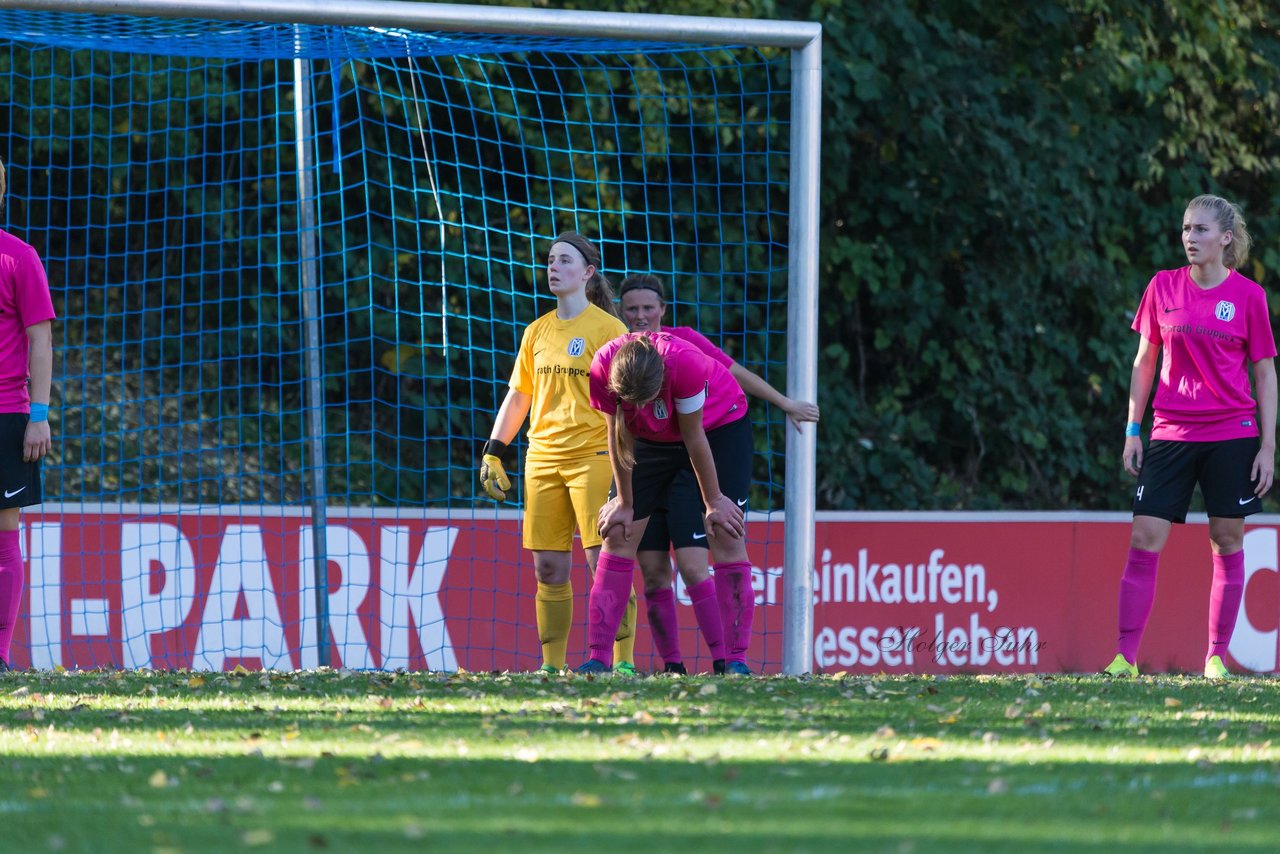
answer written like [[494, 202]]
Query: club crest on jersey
[[1225, 310], [576, 346], [660, 410]]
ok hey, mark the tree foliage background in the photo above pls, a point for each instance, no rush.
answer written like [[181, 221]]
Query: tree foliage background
[[1000, 181], [1003, 181]]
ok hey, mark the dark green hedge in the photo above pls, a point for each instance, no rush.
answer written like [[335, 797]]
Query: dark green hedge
[[1000, 180]]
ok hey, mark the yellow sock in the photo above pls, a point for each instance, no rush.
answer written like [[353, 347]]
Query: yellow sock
[[624, 643], [554, 605]]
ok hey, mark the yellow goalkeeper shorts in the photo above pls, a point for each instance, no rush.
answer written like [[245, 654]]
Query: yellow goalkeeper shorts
[[562, 496]]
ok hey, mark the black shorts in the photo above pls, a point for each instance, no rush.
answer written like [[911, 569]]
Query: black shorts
[[1171, 470], [19, 480], [679, 522], [659, 463]]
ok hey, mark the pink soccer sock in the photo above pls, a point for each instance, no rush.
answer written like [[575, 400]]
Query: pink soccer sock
[[1224, 600], [12, 576], [737, 606], [1137, 594], [664, 625], [706, 608], [608, 602]]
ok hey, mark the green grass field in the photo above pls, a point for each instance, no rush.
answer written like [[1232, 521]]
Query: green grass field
[[105, 761]]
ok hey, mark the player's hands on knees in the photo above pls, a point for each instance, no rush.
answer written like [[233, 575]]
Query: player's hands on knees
[[1133, 455], [723, 516], [36, 442], [493, 477], [613, 514], [1264, 471]]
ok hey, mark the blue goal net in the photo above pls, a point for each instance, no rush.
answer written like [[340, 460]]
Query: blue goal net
[[292, 264]]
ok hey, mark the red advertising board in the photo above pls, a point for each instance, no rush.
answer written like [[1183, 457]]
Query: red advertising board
[[899, 593]]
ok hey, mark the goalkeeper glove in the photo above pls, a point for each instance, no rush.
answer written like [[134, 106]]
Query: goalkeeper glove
[[493, 477]]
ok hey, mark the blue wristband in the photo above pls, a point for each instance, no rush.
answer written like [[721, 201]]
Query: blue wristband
[[39, 412], [1133, 428]]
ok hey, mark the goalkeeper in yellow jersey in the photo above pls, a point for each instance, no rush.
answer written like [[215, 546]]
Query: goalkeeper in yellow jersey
[[567, 474]]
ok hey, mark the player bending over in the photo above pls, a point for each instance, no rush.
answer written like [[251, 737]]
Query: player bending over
[[669, 408], [678, 522]]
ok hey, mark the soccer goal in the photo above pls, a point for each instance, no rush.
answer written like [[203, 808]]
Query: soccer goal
[[292, 247]]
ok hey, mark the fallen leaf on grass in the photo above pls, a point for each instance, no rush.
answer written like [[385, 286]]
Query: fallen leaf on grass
[[585, 799], [607, 771], [256, 838], [926, 743], [1172, 702], [158, 780]]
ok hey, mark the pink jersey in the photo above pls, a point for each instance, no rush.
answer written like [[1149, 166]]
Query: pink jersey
[[692, 336], [692, 381], [1209, 336], [24, 301]]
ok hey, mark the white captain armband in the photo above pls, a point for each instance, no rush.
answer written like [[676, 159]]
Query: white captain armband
[[686, 405]]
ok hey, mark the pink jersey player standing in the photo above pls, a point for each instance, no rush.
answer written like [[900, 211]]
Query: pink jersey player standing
[[1212, 325], [26, 374]]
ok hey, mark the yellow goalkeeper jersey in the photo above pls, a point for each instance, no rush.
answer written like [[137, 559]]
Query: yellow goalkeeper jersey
[[554, 366]]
